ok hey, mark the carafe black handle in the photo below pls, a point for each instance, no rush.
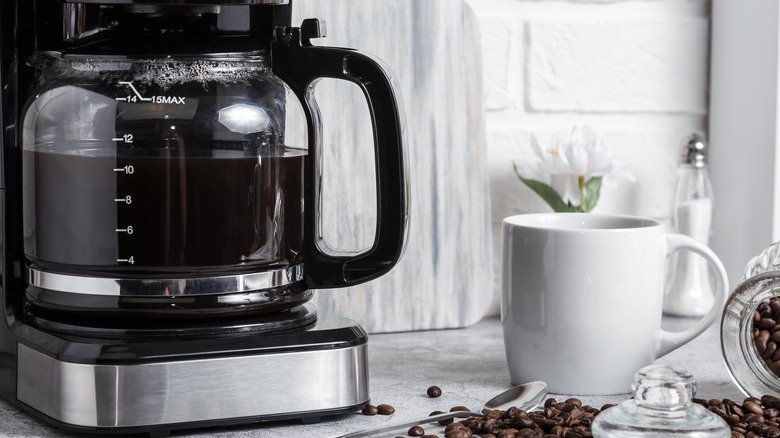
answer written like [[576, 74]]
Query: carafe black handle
[[300, 65]]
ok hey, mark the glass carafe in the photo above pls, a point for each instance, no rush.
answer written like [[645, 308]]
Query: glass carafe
[[186, 185]]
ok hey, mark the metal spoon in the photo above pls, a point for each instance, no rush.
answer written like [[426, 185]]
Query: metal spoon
[[525, 397]]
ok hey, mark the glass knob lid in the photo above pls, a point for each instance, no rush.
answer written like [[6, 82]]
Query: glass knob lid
[[663, 388], [662, 407]]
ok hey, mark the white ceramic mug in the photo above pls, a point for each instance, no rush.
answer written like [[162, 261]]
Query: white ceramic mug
[[582, 297]]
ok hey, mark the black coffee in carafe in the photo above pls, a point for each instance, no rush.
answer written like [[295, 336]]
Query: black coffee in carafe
[[156, 209]]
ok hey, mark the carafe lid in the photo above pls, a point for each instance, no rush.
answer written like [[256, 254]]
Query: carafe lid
[[662, 407]]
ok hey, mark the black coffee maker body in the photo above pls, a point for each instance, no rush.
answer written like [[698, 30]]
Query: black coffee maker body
[[160, 211]]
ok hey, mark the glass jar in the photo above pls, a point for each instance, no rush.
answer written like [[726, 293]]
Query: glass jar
[[749, 322]]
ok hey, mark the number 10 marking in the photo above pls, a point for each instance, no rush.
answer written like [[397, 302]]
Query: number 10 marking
[[129, 170]]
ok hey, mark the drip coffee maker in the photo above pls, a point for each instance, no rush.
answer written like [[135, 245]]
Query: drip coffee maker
[[160, 211]]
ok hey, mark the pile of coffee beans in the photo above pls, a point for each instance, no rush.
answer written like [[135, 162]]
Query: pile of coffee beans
[[751, 418], [566, 419], [766, 332]]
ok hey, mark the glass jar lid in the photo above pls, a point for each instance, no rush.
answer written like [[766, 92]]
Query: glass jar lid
[[662, 407]]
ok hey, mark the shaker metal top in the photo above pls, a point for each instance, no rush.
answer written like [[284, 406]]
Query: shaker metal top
[[695, 151]]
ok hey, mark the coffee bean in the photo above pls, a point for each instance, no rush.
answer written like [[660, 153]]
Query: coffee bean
[[434, 391], [524, 423], [754, 407], [441, 422], [416, 431], [459, 433], [370, 410], [771, 348], [385, 409]]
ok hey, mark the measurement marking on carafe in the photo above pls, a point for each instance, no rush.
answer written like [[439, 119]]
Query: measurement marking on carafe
[[127, 138], [127, 200], [169, 100], [128, 230], [131, 260], [137, 94], [127, 169]]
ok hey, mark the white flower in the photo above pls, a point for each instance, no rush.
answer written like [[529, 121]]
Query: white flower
[[576, 159]]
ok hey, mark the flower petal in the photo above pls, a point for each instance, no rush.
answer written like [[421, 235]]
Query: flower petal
[[538, 149], [568, 186], [578, 159]]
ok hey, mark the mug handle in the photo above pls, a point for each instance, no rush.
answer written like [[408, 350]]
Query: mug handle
[[669, 341]]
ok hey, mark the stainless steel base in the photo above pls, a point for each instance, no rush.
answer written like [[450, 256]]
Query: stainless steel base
[[286, 382]]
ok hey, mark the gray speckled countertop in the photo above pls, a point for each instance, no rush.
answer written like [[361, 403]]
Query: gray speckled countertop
[[468, 364]]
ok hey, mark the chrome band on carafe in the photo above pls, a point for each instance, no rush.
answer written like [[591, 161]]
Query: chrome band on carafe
[[165, 286]]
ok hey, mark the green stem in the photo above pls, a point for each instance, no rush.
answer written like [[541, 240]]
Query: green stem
[[581, 180]]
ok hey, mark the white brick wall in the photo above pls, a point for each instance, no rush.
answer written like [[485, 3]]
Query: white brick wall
[[635, 70]]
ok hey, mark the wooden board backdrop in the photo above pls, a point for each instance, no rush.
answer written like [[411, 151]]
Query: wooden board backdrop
[[445, 278]]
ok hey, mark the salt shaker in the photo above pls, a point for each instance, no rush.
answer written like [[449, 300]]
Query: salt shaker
[[690, 292], [662, 407]]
